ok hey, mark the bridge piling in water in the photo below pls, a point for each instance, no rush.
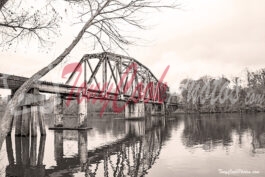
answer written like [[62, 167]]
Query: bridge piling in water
[[18, 119], [141, 109], [25, 121], [135, 110], [158, 108], [82, 113], [34, 115], [58, 111], [82, 149], [41, 121], [60, 137], [25, 161], [27, 114]]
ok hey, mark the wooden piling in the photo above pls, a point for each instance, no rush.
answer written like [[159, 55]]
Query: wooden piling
[[10, 125], [41, 121], [18, 119], [25, 150], [9, 150], [33, 152], [18, 150], [34, 117], [25, 121], [41, 150], [82, 148]]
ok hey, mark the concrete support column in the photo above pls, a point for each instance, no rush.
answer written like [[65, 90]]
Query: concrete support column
[[58, 146], [82, 149], [58, 111], [135, 110], [163, 108], [153, 110], [82, 113], [128, 110], [148, 109], [158, 109]]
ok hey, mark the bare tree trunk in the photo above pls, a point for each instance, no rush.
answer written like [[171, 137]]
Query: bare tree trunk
[[6, 120]]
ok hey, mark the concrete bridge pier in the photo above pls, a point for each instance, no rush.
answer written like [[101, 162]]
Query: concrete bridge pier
[[60, 137], [82, 149], [82, 113], [158, 109], [135, 110], [58, 146], [59, 122], [58, 111], [141, 109]]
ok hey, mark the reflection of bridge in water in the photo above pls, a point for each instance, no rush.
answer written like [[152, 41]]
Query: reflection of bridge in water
[[27, 162], [132, 155]]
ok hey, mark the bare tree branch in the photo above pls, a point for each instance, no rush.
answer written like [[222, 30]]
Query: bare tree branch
[[19, 22], [2, 3]]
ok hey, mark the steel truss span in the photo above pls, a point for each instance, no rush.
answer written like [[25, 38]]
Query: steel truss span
[[111, 76]]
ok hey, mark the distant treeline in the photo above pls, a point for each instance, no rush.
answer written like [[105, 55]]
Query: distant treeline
[[211, 95]]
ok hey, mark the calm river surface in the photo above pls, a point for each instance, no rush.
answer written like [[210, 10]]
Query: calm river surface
[[184, 145]]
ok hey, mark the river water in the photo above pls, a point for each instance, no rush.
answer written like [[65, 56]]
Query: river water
[[183, 145]]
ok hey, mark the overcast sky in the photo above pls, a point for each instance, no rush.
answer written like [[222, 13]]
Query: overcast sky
[[213, 37]]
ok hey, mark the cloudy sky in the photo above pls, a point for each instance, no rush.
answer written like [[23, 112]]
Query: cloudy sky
[[213, 37]]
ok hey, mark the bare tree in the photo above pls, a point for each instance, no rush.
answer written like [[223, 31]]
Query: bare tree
[[19, 20], [103, 18]]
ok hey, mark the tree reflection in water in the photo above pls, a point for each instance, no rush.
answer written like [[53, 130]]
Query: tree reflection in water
[[133, 155], [213, 130]]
